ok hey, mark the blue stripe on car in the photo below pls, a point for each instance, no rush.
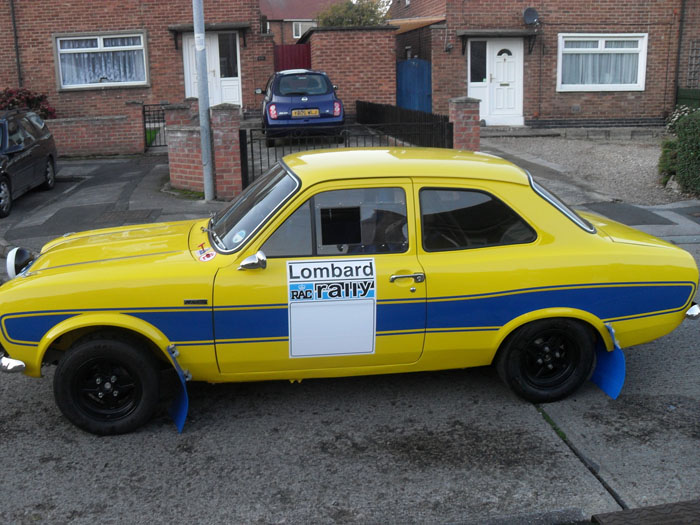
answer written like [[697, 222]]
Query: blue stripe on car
[[483, 312]]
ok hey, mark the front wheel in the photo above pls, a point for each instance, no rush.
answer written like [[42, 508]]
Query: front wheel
[[107, 386], [547, 360]]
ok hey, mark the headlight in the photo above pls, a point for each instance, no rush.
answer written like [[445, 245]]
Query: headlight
[[17, 260]]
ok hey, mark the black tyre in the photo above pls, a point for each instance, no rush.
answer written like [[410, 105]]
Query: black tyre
[[106, 385], [5, 196], [49, 175], [547, 360]]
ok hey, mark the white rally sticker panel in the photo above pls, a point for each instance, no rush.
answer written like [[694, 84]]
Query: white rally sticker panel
[[332, 307]]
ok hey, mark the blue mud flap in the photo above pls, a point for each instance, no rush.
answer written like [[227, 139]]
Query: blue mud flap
[[609, 373], [181, 403]]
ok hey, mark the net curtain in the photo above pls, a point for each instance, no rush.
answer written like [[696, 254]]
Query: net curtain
[[102, 66], [600, 68]]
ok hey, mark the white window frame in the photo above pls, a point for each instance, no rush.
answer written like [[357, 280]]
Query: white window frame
[[101, 49], [640, 50], [296, 27]]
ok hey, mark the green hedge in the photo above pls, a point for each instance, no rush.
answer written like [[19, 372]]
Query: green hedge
[[668, 160], [688, 163]]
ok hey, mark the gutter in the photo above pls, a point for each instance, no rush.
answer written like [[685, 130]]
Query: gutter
[[14, 31]]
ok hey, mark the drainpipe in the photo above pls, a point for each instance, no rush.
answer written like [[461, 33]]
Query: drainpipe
[[14, 31], [681, 21]]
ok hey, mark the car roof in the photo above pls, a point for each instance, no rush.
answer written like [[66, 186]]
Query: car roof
[[6, 113], [352, 163], [299, 72]]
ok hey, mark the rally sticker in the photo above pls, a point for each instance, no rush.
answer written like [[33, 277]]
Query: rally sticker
[[205, 254], [332, 307]]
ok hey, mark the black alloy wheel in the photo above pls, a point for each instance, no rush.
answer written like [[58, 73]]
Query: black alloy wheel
[[49, 175], [547, 360], [107, 385]]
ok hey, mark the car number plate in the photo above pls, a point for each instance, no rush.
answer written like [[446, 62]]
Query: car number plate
[[305, 113]]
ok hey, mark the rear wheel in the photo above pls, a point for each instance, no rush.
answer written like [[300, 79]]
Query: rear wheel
[[547, 360], [5, 196], [107, 386], [49, 175]]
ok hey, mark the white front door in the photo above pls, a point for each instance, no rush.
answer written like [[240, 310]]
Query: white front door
[[495, 76], [223, 67]]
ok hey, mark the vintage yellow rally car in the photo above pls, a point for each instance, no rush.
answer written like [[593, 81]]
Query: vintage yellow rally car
[[341, 263]]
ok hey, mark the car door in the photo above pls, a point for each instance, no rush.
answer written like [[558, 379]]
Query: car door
[[22, 164], [479, 255], [342, 287]]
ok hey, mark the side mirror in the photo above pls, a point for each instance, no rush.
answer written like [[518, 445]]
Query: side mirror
[[335, 88], [258, 91], [254, 262]]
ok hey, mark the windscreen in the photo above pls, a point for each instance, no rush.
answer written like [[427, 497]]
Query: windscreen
[[248, 212], [303, 84]]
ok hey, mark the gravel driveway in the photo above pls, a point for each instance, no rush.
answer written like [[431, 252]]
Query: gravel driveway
[[624, 170]]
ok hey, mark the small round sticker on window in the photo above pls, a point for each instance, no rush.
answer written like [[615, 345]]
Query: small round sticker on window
[[239, 236]]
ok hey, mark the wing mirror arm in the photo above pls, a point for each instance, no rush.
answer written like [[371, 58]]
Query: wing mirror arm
[[254, 262]]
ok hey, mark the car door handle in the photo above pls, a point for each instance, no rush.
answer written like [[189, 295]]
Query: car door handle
[[417, 277]]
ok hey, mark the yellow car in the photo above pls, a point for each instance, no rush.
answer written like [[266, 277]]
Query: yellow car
[[342, 263]]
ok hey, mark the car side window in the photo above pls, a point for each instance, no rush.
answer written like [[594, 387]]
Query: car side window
[[460, 219], [368, 220], [36, 120], [293, 237], [344, 222]]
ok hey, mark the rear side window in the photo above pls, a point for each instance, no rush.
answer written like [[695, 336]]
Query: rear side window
[[303, 84], [461, 219], [36, 120]]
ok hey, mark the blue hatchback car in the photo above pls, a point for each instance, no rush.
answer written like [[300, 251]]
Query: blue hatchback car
[[301, 101]]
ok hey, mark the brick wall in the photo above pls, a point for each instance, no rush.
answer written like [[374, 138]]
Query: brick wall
[[185, 148], [283, 32], [8, 66], [420, 42], [361, 62], [542, 103], [39, 22], [464, 115], [658, 18], [106, 135]]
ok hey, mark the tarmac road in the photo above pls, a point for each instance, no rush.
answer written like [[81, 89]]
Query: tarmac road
[[439, 447]]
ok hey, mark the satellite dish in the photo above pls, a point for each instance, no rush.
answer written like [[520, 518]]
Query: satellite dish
[[530, 16]]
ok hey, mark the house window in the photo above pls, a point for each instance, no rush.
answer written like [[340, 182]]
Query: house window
[[302, 27], [601, 62], [99, 61]]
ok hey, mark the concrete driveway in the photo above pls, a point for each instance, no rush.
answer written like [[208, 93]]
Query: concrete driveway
[[440, 447]]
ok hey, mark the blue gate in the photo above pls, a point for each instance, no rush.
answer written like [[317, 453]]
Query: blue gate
[[413, 85]]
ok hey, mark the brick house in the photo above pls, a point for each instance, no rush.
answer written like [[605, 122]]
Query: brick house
[[98, 63], [598, 62], [288, 20]]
